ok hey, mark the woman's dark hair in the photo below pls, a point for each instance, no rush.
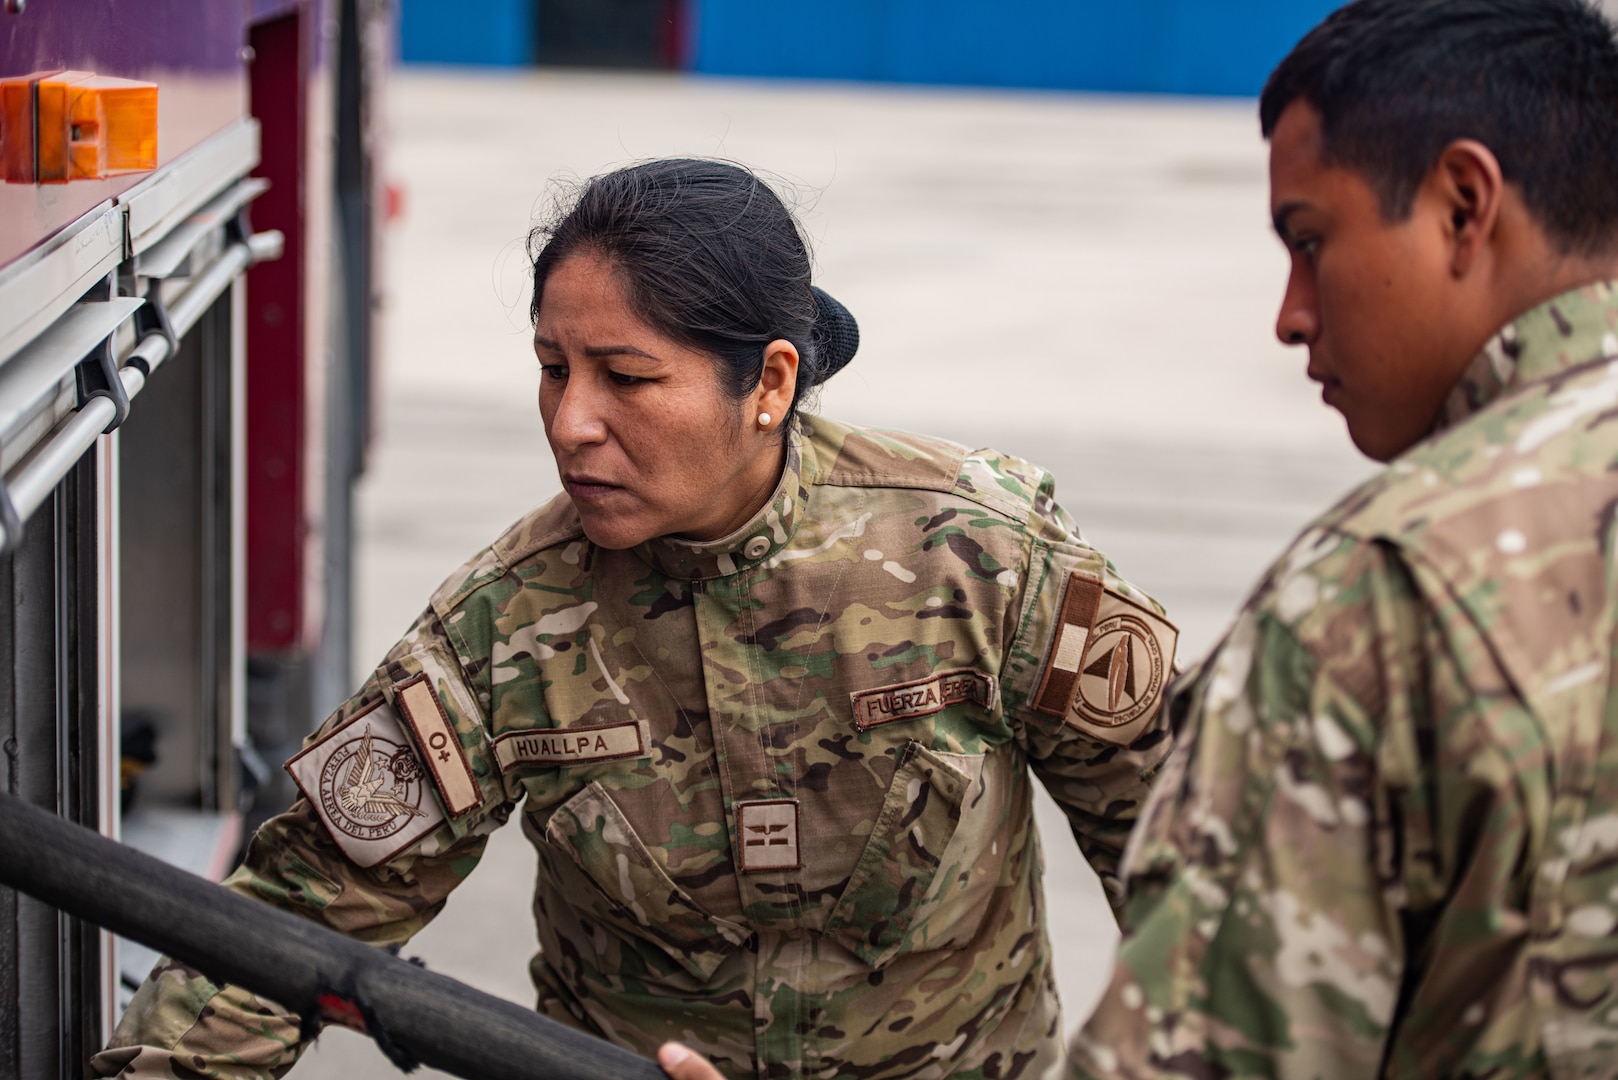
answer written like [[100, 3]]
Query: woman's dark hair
[[710, 257], [1536, 81]]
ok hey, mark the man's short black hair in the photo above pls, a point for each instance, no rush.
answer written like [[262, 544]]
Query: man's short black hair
[[1536, 81]]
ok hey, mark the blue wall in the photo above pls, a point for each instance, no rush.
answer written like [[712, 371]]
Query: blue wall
[[1159, 46], [498, 32]]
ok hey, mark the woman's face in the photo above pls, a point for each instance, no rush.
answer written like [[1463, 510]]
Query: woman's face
[[647, 442]]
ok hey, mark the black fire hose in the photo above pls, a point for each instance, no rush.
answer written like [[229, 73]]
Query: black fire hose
[[415, 1015]]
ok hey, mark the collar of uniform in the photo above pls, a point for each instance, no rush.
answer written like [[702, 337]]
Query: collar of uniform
[[765, 533], [1576, 328]]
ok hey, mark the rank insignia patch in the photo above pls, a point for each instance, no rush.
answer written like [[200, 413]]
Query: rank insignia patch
[[769, 835], [369, 787]]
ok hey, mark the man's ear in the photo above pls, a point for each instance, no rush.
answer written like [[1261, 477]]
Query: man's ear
[[1467, 184]]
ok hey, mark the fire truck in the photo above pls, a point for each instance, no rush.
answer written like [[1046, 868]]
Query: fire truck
[[189, 223]]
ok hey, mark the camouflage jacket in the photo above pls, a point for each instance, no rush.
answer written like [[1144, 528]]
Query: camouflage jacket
[[1387, 843], [779, 784]]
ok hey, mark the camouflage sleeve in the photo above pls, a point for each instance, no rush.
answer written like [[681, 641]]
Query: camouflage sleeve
[[1091, 658], [181, 1025], [1271, 876]]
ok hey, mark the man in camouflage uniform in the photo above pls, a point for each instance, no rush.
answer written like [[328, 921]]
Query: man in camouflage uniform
[[778, 783], [1388, 842]]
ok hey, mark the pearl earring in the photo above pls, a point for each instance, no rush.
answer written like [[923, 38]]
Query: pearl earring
[[763, 419]]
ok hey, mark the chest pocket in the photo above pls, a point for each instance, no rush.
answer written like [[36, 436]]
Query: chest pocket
[[924, 879], [605, 868]]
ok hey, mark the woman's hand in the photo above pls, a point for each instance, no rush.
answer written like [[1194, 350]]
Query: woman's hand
[[682, 1064]]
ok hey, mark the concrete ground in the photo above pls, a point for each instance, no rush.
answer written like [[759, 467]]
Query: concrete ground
[[1088, 282]]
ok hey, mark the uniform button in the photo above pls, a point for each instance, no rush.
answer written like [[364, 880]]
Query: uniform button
[[757, 547]]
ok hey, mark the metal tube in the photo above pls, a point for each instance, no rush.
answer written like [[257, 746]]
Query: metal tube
[[32, 484], [431, 1018], [207, 286], [154, 350]]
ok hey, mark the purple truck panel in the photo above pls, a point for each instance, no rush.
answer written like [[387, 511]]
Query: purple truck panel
[[192, 49]]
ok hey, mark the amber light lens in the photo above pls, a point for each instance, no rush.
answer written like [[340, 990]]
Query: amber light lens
[[125, 115], [17, 127], [76, 125]]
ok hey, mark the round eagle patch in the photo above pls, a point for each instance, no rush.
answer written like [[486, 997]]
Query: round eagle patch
[[367, 784], [371, 787]]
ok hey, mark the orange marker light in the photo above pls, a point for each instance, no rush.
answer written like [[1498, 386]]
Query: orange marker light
[[76, 125], [17, 127]]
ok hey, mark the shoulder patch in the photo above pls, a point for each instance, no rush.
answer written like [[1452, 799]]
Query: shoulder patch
[[446, 758], [1080, 603], [1109, 663], [369, 787]]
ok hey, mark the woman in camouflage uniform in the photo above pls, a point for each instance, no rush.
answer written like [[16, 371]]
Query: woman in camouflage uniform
[[764, 689]]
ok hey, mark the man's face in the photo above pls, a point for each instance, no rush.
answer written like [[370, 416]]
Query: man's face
[[1374, 301]]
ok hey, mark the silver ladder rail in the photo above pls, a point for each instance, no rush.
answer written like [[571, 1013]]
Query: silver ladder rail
[[25, 490]]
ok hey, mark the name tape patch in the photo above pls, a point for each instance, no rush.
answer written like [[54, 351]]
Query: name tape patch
[[368, 787], [572, 746], [446, 758], [923, 697]]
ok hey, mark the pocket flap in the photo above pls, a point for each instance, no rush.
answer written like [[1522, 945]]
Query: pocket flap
[[641, 899], [895, 872]]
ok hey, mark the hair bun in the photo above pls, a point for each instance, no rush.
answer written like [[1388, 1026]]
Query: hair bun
[[837, 335]]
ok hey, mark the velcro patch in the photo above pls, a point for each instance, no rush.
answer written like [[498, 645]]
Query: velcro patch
[[1124, 673], [923, 697], [572, 745], [769, 831], [435, 736], [369, 787], [1080, 603]]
